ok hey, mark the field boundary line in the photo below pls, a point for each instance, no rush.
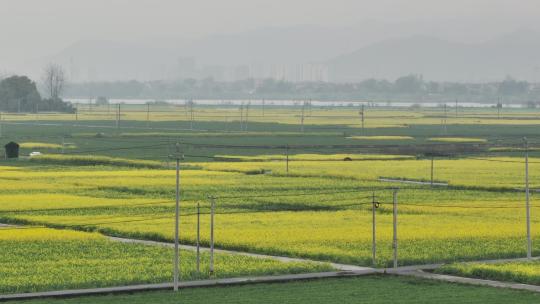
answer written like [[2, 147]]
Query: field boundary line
[[185, 284], [469, 281], [341, 267]]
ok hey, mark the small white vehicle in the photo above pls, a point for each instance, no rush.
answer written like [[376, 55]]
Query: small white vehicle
[[35, 154]]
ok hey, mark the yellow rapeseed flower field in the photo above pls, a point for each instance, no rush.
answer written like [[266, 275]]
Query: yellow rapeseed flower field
[[320, 210]]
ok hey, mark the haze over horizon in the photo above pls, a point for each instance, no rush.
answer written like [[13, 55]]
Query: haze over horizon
[[293, 40]]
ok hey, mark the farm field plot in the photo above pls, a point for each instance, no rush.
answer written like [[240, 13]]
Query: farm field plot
[[507, 173], [527, 272], [317, 116], [213, 127], [373, 290], [321, 210], [331, 236], [42, 259]]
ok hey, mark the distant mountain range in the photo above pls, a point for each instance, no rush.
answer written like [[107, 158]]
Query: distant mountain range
[[343, 54], [516, 54]]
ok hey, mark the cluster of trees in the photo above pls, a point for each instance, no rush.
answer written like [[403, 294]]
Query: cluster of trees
[[410, 88], [21, 94]]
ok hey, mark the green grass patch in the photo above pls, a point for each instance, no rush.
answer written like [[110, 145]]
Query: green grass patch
[[372, 290]]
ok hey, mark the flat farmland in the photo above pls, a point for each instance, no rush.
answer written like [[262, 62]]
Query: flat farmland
[[321, 210], [96, 179]]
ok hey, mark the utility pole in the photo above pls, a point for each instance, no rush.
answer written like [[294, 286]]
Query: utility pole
[[263, 102], [303, 114], [456, 108], [177, 221], [212, 213], [445, 119], [527, 199], [76, 113], [192, 115], [118, 116], [395, 240], [186, 103], [147, 114], [287, 158], [362, 117], [499, 107], [247, 117], [374, 206], [198, 238], [432, 161], [242, 117]]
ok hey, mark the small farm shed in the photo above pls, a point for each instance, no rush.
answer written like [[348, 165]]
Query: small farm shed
[[12, 150]]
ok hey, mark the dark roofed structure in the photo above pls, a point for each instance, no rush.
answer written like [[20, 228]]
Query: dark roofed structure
[[12, 150]]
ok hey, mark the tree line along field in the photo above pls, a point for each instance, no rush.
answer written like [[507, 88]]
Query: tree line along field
[[119, 182]]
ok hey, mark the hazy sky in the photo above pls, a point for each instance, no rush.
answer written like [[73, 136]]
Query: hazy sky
[[30, 28]]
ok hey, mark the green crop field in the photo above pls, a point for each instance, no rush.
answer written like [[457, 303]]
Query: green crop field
[[96, 129], [373, 290]]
